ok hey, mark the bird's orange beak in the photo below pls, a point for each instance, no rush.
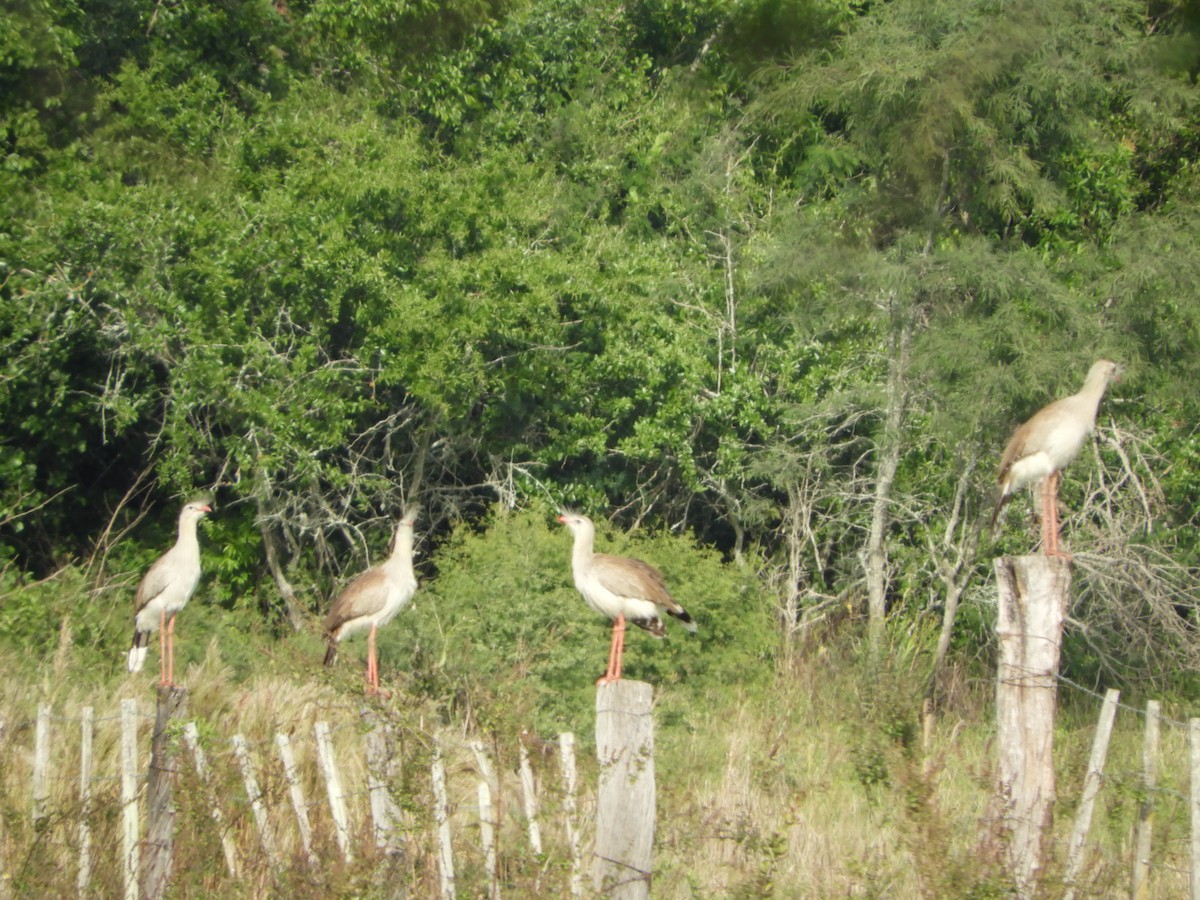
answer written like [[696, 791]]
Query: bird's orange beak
[[562, 519]]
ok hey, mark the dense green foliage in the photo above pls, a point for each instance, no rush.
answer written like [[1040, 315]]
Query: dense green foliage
[[700, 266]]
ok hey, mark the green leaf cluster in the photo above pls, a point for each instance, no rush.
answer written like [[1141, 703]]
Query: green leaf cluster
[[661, 260]]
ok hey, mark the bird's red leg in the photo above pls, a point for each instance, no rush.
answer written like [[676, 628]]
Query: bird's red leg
[[1054, 523], [162, 647], [372, 666], [618, 622], [1046, 514], [171, 652], [1052, 506], [620, 645], [615, 650]]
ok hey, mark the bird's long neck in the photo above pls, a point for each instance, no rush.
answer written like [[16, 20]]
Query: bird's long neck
[[400, 562], [188, 541], [1092, 393], [582, 550]]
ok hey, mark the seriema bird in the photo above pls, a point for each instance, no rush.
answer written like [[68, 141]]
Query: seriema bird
[[373, 599], [164, 590], [620, 588], [1042, 447]]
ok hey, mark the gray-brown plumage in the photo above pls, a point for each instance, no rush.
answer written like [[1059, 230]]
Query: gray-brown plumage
[[164, 590], [373, 599], [1047, 443], [620, 588]]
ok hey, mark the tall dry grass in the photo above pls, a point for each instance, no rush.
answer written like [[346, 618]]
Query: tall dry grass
[[821, 785]]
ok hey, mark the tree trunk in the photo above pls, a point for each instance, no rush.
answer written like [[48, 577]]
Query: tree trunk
[[790, 612], [625, 802], [1033, 595], [890, 449], [295, 614], [955, 565], [159, 850]]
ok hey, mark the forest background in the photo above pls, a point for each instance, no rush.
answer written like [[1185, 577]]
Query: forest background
[[764, 284]]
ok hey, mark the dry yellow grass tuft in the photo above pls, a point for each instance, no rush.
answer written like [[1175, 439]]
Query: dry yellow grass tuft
[[822, 785]]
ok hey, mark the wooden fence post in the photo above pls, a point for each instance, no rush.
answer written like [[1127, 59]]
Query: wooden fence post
[[625, 805], [41, 766], [191, 736], [284, 745], [1194, 746], [159, 847], [441, 815], [129, 814], [242, 751], [1032, 594], [382, 820], [1140, 888], [566, 750], [487, 837], [486, 769], [87, 732], [1091, 787], [529, 793], [333, 785]]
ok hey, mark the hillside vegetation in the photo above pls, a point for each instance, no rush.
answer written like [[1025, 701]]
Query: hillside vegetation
[[760, 285]]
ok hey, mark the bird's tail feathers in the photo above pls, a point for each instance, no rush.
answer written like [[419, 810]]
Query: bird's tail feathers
[[653, 626], [331, 652], [1001, 502], [686, 620], [138, 650]]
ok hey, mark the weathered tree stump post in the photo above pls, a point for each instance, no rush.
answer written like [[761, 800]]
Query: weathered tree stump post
[[129, 804], [1033, 596], [158, 850], [625, 806]]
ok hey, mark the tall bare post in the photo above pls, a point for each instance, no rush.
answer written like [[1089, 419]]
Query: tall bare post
[[625, 805], [486, 769], [1033, 596], [1194, 742], [333, 786], [529, 793], [487, 837], [383, 822], [87, 732], [241, 750], [158, 851], [41, 766], [1140, 888], [1091, 787], [566, 750], [129, 809], [441, 814], [296, 791]]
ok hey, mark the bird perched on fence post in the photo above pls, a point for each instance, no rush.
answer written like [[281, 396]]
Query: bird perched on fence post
[[164, 590], [374, 598], [621, 588], [1042, 447]]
